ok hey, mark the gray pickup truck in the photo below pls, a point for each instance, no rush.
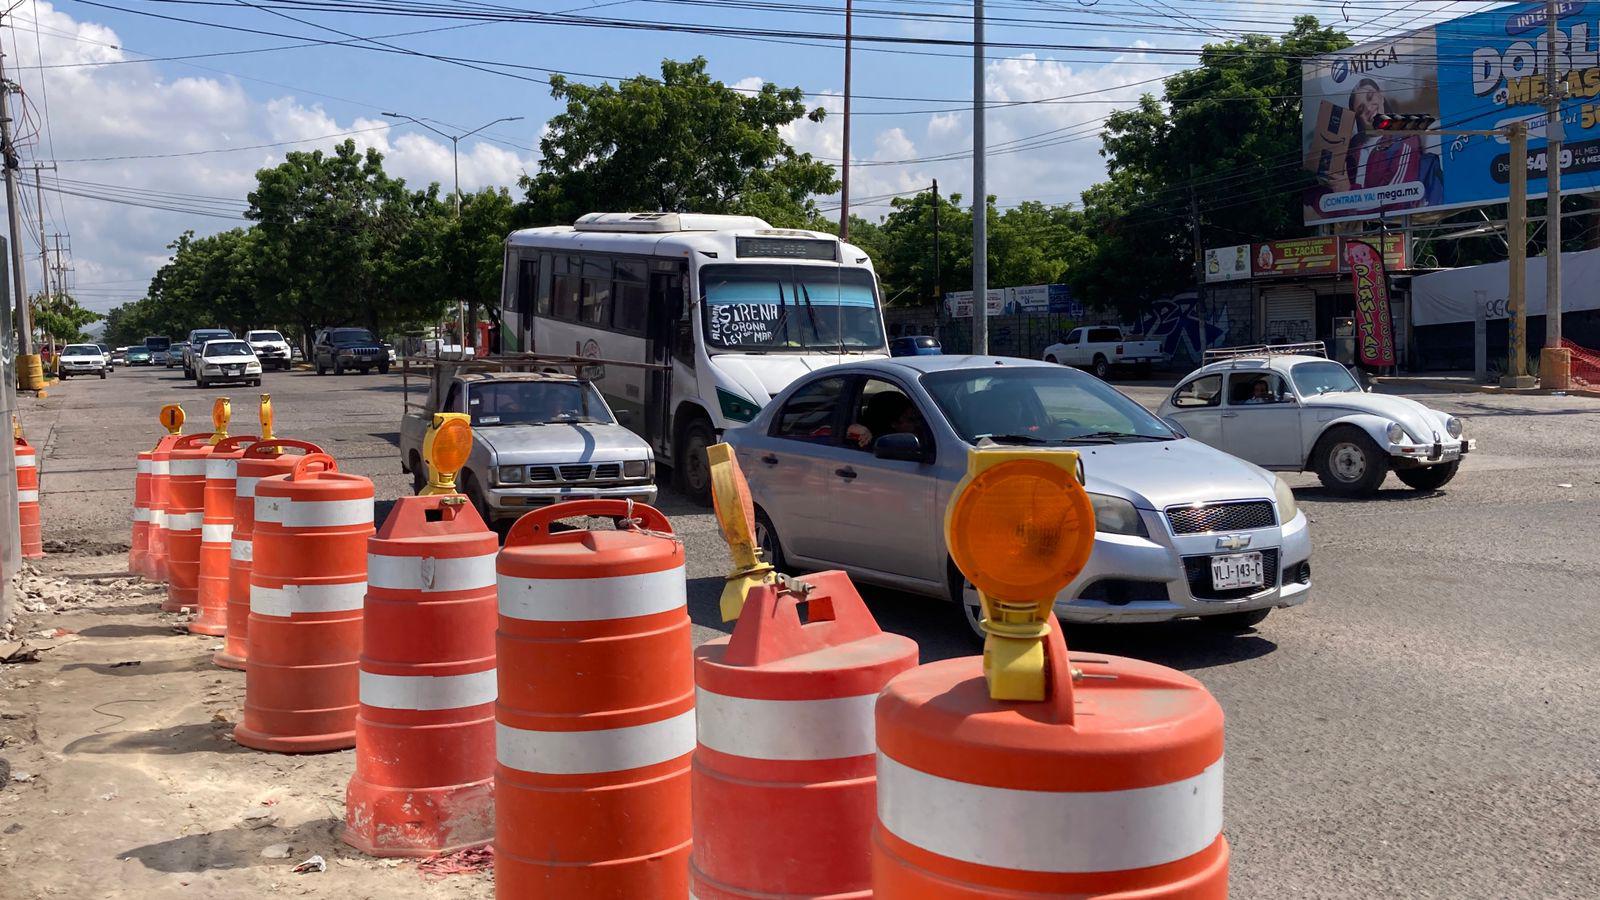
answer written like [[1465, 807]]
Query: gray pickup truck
[[537, 438]]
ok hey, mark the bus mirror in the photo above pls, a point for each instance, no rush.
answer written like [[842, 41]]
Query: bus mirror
[[592, 372]]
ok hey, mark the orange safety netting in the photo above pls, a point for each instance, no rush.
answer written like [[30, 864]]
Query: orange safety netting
[[1585, 365]]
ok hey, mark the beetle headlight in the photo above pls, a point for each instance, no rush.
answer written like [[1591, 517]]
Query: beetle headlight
[[1396, 433], [1453, 426], [1286, 505], [1114, 515]]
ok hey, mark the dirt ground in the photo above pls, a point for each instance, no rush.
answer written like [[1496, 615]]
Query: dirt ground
[[124, 778]]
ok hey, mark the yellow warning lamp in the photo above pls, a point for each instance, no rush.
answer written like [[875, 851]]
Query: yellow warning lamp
[[736, 516], [172, 418], [16, 427], [221, 414], [266, 416], [1020, 527], [445, 449]]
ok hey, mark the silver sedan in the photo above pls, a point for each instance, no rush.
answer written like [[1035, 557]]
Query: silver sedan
[[852, 467]]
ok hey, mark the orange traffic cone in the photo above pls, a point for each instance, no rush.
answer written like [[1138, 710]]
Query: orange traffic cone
[[28, 500]]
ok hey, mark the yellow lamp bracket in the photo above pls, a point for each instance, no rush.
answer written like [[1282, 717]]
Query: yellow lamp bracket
[[445, 448], [1020, 527], [172, 418], [266, 416], [221, 415], [736, 516], [16, 427]]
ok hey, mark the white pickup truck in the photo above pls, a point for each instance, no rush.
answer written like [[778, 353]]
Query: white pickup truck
[[1100, 347]]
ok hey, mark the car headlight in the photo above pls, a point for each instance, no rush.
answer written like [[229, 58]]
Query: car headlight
[[211, 368], [253, 367], [510, 474], [1114, 515], [1453, 426], [735, 407], [347, 353], [636, 468], [1396, 433], [1287, 509]]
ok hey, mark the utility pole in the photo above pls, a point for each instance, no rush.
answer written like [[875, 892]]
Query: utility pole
[[1199, 264], [980, 195], [844, 170], [938, 280], [1517, 262], [1554, 365], [27, 364], [44, 251]]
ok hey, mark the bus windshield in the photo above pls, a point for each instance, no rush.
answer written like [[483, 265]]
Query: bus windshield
[[157, 343], [787, 307]]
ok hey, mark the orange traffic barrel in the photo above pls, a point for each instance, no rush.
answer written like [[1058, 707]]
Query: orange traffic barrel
[[259, 461], [783, 786], [307, 581], [595, 718], [28, 500], [186, 512], [139, 549], [1110, 788], [216, 534], [424, 779], [160, 473]]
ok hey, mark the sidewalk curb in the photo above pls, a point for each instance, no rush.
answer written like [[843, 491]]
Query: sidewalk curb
[[1446, 384]]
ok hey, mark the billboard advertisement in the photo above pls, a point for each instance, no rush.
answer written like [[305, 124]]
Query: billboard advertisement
[[1319, 256], [1227, 263], [1482, 71]]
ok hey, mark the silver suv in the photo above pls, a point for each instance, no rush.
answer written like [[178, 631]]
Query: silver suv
[[197, 342]]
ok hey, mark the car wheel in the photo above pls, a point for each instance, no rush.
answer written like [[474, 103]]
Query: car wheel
[[1236, 622], [201, 383], [63, 376], [965, 598], [1349, 463], [1428, 478], [320, 369], [1101, 368], [102, 374], [1051, 360], [338, 367], [419, 474], [255, 382], [693, 467], [365, 370], [767, 540], [475, 495], [383, 369]]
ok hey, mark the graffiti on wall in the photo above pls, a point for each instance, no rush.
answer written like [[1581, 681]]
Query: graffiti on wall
[[1176, 323]]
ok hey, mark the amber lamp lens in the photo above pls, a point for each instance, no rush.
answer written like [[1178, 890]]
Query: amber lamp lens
[[451, 446], [1022, 531]]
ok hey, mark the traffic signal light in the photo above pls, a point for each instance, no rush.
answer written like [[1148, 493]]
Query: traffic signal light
[[1411, 122]]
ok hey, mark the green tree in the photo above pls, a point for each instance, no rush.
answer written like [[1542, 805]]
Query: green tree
[[59, 317], [681, 143]]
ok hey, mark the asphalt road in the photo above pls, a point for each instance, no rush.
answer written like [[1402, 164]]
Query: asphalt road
[[1426, 725]]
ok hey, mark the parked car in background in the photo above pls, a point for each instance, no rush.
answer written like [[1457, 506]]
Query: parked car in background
[[160, 349], [197, 341], [176, 354], [226, 359], [119, 356], [270, 348], [853, 466], [915, 345], [1290, 409], [1100, 348], [111, 360], [139, 356], [339, 350], [537, 438], [82, 359]]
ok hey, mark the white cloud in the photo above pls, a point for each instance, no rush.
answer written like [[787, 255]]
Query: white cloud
[[137, 109]]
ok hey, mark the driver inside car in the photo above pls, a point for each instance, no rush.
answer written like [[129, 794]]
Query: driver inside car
[[887, 412]]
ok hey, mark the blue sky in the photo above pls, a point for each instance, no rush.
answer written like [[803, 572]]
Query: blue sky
[[154, 109]]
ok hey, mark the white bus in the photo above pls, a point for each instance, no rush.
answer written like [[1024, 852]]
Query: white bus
[[732, 309]]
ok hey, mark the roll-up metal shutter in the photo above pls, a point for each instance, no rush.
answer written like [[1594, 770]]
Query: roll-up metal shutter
[[1290, 315]]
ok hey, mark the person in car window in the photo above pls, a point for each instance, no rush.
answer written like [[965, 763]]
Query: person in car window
[[886, 413], [1259, 393]]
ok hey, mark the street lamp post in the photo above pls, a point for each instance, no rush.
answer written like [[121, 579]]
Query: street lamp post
[[455, 144]]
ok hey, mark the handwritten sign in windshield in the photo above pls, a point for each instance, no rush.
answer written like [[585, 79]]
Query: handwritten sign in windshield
[[736, 324]]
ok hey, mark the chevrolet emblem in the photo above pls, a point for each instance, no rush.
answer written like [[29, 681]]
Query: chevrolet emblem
[[1233, 542]]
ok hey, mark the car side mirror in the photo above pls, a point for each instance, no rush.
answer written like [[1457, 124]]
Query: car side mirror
[[1176, 427], [903, 447], [624, 416]]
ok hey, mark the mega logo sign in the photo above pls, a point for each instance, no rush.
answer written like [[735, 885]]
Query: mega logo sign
[[1482, 72]]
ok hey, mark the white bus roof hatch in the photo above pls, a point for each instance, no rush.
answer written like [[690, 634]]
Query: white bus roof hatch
[[664, 222]]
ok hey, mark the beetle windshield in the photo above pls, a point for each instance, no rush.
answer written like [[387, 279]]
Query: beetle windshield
[[1314, 379], [1039, 405], [535, 403]]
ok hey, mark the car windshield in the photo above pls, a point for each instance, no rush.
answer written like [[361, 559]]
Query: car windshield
[[200, 337], [535, 403], [1317, 378], [352, 336], [265, 336], [227, 348], [1039, 405], [157, 343], [783, 307], [81, 350]]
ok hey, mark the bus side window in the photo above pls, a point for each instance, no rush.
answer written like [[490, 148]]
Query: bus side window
[[511, 287], [564, 290], [629, 297], [683, 341], [527, 284]]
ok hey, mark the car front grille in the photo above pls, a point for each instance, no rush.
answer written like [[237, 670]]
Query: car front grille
[[1238, 516], [1198, 571], [576, 473]]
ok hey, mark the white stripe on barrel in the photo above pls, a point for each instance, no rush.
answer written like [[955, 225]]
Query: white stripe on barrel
[[27, 496], [306, 598], [428, 692], [593, 752], [160, 467], [158, 517], [243, 551], [431, 575], [27, 461], [185, 521], [141, 513], [187, 468], [143, 467], [245, 486], [1051, 831], [832, 728], [212, 533], [314, 513], [222, 469], [592, 599]]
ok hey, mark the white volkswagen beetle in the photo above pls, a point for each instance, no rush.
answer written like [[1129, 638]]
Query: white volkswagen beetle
[[1291, 409]]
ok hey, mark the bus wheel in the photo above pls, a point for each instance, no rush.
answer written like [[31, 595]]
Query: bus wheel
[[693, 469]]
